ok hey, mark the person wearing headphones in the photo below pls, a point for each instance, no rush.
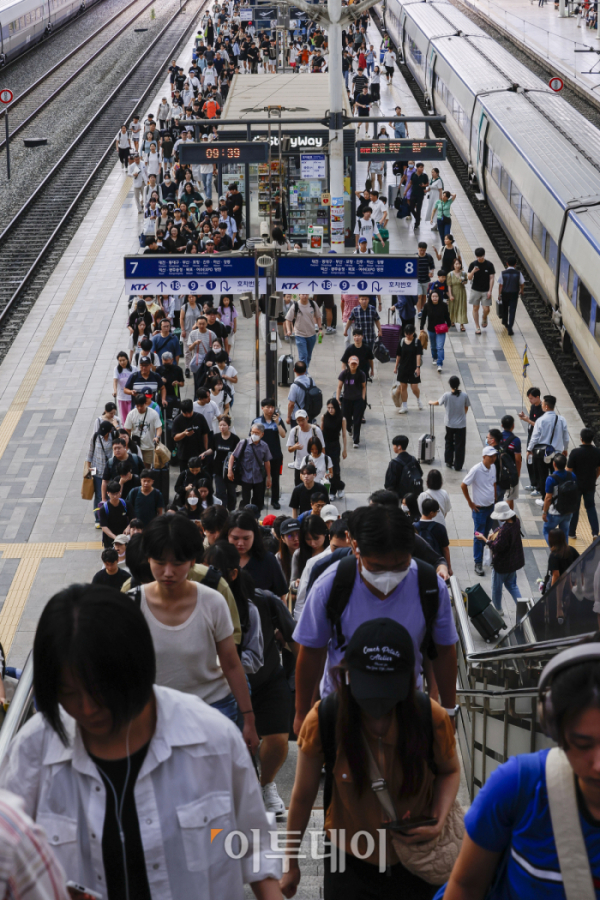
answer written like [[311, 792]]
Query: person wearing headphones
[[534, 828]]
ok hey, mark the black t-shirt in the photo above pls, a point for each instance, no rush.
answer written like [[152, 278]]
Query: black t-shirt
[[266, 574], [300, 497], [419, 183], [111, 468], [219, 330], [584, 461], [535, 412], [170, 374], [113, 517], [481, 279], [222, 447], [193, 444], [141, 385], [115, 581], [562, 563], [128, 485], [353, 384], [364, 354], [115, 772]]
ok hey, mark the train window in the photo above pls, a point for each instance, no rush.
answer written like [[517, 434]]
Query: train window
[[571, 282], [525, 214], [537, 233], [596, 330], [584, 303], [563, 276], [515, 199], [505, 184], [39, 13], [497, 169]]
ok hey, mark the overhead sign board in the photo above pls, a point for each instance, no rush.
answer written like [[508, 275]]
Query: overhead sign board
[[335, 274], [189, 274], [402, 148], [245, 15], [223, 152]]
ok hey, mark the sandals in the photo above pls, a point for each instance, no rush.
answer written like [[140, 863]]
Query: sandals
[[462, 328], [477, 331]]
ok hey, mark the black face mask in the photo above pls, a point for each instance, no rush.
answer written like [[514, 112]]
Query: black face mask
[[377, 707]]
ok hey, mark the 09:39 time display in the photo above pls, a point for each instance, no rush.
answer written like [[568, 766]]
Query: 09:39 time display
[[223, 153]]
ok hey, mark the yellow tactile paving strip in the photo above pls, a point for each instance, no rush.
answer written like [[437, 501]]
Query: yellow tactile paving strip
[[32, 376], [515, 362]]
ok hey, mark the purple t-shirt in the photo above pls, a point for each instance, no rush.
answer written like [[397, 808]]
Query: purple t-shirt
[[403, 605]]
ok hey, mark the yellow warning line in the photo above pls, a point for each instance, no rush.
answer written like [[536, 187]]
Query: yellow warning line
[[16, 598], [33, 373]]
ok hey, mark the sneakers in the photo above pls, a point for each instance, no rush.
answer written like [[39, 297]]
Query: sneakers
[[275, 504], [272, 800], [535, 493], [330, 330], [434, 362], [529, 488], [340, 495], [188, 374], [356, 446], [479, 570], [333, 495], [439, 370], [420, 403], [539, 502], [402, 410], [98, 526]]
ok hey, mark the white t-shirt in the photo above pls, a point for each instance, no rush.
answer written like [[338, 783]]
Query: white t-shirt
[[297, 436], [186, 655], [366, 229], [483, 481], [322, 464], [143, 425], [210, 411], [230, 372], [442, 497]]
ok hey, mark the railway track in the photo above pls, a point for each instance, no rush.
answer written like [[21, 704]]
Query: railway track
[[28, 252], [571, 372], [44, 90]]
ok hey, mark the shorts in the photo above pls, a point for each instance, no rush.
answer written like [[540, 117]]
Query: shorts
[[272, 705], [423, 287], [512, 493], [477, 297], [389, 70]]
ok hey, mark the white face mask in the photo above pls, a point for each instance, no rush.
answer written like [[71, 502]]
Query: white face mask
[[405, 508], [385, 582], [255, 438], [193, 501]]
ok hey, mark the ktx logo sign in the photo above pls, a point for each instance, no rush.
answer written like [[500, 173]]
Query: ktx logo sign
[[139, 287], [290, 286]]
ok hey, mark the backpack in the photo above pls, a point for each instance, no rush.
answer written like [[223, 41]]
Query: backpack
[[328, 713], [397, 169], [342, 586], [411, 479], [507, 468], [567, 497], [426, 532], [121, 501], [313, 399], [297, 309]]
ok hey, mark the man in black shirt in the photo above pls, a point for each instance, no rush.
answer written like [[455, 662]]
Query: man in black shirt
[[584, 462], [300, 498], [172, 377], [393, 476], [190, 433], [111, 470], [112, 514], [535, 411], [235, 202], [481, 275], [359, 82], [274, 431], [419, 182], [362, 351], [111, 575], [216, 326], [127, 479]]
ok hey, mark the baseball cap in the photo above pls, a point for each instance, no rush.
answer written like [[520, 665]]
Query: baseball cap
[[301, 414], [144, 361], [362, 240], [288, 526], [489, 451], [122, 539], [354, 359], [330, 513], [381, 658], [268, 520]]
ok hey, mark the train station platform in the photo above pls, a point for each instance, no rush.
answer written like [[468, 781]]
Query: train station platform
[[565, 45], [58, 375]]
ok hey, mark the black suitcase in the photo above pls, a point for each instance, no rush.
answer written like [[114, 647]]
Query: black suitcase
[[489, 623], [476, 599], [161, 482], [285, 370]]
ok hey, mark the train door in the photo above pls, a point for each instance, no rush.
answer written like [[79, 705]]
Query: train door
[[430, 76], [481, 152], [402, 32], [2, 54]]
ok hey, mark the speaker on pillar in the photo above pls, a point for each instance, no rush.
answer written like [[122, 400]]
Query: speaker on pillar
[[276, 307], [247, 305]]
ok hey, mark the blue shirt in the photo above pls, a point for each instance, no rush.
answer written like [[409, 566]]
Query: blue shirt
[[515, 442], [552, 483], [297, 392], [532, 870]]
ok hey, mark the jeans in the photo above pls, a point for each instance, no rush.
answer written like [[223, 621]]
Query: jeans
[[454, 453], [347, 79], [509, 309], [509, 581], [228, 706], [97, 479], [561, 522], [305, 347], [482, 523], [588, 502], [207, 179], [370, 67], [254, 491], [353, 411], [437, 342], [444, 226]]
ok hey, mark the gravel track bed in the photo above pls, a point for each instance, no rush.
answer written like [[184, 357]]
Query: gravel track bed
[[23, 72], [64, 119]]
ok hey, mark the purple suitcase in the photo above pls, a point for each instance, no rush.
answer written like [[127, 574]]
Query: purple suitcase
[[390, 336]]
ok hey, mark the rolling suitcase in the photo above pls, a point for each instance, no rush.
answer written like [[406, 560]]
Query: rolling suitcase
[[285, 370], [427, 442], [476, 600], [161, 482], [489, 623], [390, 336]]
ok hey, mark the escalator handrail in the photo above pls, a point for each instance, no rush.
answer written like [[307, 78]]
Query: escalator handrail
[[18, 710]]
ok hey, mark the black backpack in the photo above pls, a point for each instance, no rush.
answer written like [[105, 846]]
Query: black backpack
[[342, 587], [397, 169], [313, 400], [507, 467], [328, 713], [411, 479], [567, 498], [297, 309]]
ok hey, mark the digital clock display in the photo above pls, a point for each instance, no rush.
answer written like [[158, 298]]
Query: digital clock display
[[223, 152], [402, 149]]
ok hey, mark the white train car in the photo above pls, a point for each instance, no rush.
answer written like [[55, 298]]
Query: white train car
[[25, 22], [535, 158]]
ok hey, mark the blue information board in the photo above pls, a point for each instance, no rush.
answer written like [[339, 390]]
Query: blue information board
[[334, 274], [188, 274]]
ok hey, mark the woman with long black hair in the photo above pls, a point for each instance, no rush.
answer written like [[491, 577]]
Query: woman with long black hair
[[333, 425], [243, 532], [376, 725], [314, 538], [121, 374]]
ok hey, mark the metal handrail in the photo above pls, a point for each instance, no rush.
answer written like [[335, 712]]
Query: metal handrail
[[19, 709]]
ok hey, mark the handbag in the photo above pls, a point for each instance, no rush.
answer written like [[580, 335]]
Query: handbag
[[162, 455], [381, 352], [396, 394], [87, 484], [433, 860], [424, 339], [441, 329]]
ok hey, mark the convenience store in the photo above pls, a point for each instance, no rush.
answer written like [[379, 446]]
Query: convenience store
[[298, 171]]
